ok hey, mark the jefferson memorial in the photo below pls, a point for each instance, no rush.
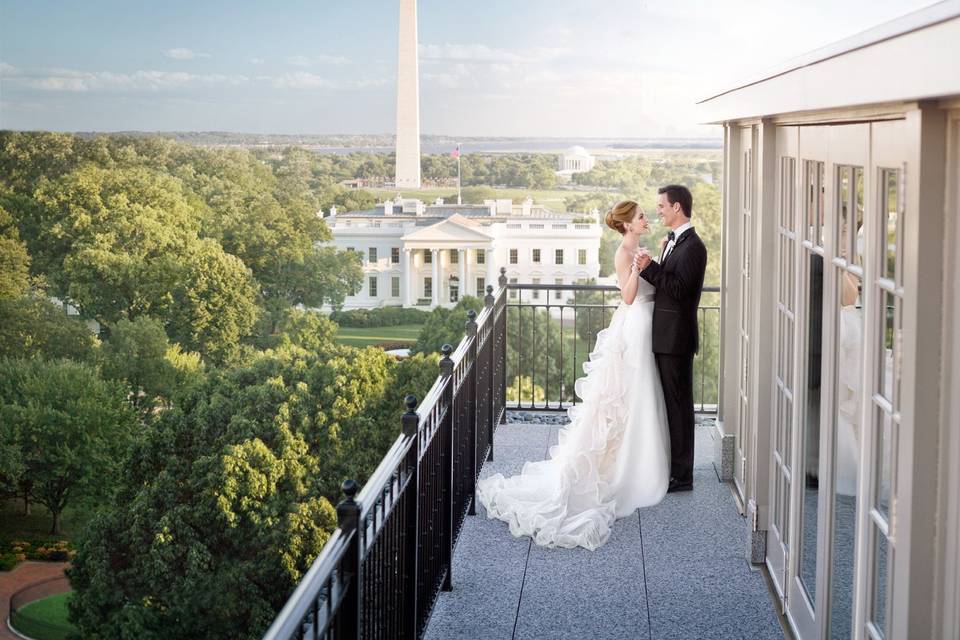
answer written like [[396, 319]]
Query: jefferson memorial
[[428, 255]]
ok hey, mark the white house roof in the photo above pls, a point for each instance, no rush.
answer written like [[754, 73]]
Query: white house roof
[[456, 232], [911, 58]]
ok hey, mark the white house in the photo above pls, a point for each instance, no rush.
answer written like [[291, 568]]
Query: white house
[[839, 419], [416, 254]]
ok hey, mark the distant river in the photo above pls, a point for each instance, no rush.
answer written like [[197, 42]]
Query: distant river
[[541, 145]]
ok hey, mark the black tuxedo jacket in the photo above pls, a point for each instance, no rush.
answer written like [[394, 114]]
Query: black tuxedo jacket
[[679, 281]]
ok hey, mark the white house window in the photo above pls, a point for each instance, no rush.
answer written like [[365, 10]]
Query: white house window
[[372, 286], [558, 294], [481, 256], [350, 249], [454, 256], [513, 256], [513, 292], [395, 255], [536, 256], [395, 286], [535, 294], [428, 288], [581, 256], [558, 256], [372, 254], [427, 257], [481, 285]]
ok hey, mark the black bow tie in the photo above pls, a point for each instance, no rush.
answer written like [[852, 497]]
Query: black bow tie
[[671, 236]]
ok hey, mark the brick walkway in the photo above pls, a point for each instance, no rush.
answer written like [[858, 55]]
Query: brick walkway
[[25, 574]]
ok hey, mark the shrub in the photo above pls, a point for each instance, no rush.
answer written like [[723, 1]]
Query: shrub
[[380, 317]]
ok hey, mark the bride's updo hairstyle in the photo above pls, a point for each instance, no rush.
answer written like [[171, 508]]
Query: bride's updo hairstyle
[[621, 214]]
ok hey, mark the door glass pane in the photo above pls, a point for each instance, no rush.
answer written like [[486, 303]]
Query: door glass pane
[[884, 464], [881, 565], [891, 206], [811, 426], [849, 356], [844, 189]]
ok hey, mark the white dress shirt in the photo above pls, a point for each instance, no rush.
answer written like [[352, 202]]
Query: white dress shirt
[[676, 236]]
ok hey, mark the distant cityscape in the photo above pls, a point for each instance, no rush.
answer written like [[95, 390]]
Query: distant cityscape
[[430, 144]]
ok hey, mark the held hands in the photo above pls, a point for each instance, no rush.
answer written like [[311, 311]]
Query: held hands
[[641, 260]]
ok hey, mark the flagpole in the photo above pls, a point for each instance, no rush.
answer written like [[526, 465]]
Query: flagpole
[[459, 200]]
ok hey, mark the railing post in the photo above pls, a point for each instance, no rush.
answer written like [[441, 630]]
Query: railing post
[[351, 610], [446, 468], [411, 531], [503, 348], [492, 397], [471, 329]]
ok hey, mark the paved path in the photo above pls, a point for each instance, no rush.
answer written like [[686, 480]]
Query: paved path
[[25, 574], [675, 570]]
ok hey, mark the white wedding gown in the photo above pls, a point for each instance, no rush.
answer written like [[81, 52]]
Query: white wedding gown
[[612, 458]]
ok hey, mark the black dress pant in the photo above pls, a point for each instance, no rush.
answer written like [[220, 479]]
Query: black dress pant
[[676, 377]]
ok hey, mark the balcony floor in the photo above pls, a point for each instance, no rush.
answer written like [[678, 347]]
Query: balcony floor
[[675, 570]]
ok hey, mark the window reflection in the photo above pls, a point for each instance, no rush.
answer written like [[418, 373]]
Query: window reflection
[[813, 265], [848, 396]]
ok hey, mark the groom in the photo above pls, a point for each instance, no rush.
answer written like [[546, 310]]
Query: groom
[[678, 278]]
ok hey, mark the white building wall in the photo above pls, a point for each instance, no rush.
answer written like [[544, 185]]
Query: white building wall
[[524, 236]]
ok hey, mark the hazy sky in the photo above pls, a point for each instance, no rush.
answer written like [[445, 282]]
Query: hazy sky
[[605, 68]]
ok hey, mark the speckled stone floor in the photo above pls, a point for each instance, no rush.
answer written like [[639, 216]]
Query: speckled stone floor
[[675, 570]]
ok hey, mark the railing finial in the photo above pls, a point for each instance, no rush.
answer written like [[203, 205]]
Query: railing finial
[[410, 419], [349, 488], [446, 363], [488, 299], [503, 277], [471, 326], [348, 510]]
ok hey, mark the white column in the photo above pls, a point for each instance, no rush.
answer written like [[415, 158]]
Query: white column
[[491, 269], [406, 280], [462, 257], [436, 278]]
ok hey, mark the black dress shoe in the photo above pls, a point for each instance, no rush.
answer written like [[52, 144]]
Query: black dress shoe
[[676, 485]]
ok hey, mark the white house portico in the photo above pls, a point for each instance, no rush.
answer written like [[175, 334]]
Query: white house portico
[[454, 245], [422, 255]]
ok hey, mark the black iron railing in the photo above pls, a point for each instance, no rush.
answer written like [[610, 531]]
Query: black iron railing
[[552, 329], [382, 568], [380, 572]]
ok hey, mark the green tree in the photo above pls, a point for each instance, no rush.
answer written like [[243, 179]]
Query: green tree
[[213, 301], [140, 355], [522, 389], [31, 326], [71, 427], [229, 499], [14, 260], [445, 326]]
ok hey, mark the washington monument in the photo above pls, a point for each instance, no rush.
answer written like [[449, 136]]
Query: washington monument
[[408, 100]]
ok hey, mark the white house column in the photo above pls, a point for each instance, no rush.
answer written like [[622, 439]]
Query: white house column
[[462, 257], [491, 278], [435, 254], [406, 280]]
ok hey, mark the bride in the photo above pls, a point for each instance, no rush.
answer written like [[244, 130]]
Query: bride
[[614, 455]]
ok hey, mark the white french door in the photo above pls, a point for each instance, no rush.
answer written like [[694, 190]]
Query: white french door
[[835, 420], [745, 316]]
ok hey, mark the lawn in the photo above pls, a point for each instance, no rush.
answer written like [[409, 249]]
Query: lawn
[[367, 336], [45, 619]]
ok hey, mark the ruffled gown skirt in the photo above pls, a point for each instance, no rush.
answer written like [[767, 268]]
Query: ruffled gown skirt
[[612, 458]]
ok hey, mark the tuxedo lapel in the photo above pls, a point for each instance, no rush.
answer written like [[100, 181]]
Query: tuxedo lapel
[[676, 244]]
